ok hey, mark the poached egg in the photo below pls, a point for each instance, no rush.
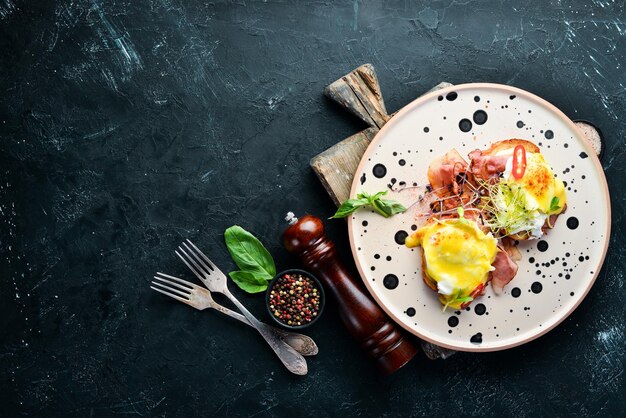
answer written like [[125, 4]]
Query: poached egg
[[538, 194], [457, 257]]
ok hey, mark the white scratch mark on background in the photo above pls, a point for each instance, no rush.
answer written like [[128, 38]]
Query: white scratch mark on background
[[274, 101], [109, 79], [205, 176], [130, 59], [608, 366], [102, 132], [6, 8]]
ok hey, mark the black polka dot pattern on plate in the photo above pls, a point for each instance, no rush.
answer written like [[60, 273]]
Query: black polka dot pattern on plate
[[572, 222], [480, 117], [477, 338], [391, 281], [379, 171], [549, 134], [400, 237], [451, 96], [410, 311], [453, 321], [465, 125], [480, 309]]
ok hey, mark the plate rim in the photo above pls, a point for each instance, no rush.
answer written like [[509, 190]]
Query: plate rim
[[590, 152]]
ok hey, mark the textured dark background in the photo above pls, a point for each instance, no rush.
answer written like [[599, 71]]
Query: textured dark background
[[127, 126]]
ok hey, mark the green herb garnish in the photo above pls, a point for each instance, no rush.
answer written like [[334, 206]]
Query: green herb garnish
[[554, 204], [384, 207], [461, 212], [256, 265], [457, 299], [248, 281], [505, 208]]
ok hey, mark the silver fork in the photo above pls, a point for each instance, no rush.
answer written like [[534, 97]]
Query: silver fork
[[216, 281], [201, 299]]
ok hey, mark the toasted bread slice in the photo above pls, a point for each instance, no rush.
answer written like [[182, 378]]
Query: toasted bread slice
[[427, 279], [507, 144]]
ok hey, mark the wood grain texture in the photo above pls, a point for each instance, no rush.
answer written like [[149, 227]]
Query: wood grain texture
[[359, 92], [335, 167]]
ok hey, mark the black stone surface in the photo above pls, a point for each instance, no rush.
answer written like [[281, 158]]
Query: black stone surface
[[126, 126]]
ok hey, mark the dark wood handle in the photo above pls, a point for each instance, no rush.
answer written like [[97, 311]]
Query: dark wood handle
[[365, 321], [359, 92]]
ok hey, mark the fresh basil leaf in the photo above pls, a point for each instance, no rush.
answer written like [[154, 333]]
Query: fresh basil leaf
[[383, 207], [248, 253], [388, 208], [348, 207], [372, 198], [554, 204], [248, 281]]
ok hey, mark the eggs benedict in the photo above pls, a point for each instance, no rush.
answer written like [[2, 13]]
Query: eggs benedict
[[521, 195], [457, 258]]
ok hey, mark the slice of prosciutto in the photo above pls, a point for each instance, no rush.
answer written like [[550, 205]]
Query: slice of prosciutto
[[504, 271], [486, 167], [447, 176], [443, 172]]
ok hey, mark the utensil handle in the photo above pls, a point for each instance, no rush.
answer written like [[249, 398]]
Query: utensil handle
[[293, 361], [359, 92], [303, 344]]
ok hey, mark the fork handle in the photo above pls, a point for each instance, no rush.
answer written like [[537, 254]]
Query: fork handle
[[303, 344], [293, 361]]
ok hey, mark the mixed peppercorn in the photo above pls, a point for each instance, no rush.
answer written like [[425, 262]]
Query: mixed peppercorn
[[294, 299]]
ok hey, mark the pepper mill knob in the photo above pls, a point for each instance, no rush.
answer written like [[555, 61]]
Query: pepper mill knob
[[303, 233], [365, 321]]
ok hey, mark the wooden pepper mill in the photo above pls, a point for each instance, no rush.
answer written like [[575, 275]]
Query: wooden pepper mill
[[365, 321]]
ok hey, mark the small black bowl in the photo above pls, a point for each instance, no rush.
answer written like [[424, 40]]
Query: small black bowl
[[318, 286]]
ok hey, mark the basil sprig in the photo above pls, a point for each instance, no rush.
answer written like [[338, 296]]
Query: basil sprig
[[384, 207], [256, 265], [554, 204]]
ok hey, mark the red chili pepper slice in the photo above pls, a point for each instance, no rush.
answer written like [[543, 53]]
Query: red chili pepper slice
[[519, 162]]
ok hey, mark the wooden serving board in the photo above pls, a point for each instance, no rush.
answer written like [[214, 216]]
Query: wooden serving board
[[359, 92]]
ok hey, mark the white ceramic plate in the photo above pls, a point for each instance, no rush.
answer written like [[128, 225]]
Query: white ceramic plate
[[555, 273]]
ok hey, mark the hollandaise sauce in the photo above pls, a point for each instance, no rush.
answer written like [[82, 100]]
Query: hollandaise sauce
[[457, 256]]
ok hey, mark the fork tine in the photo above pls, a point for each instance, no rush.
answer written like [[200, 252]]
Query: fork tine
[[178, 298], [193, 286], [192, 268], [173, 284], [177, 279], [213, 267], [171, 289], [207, 268]]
